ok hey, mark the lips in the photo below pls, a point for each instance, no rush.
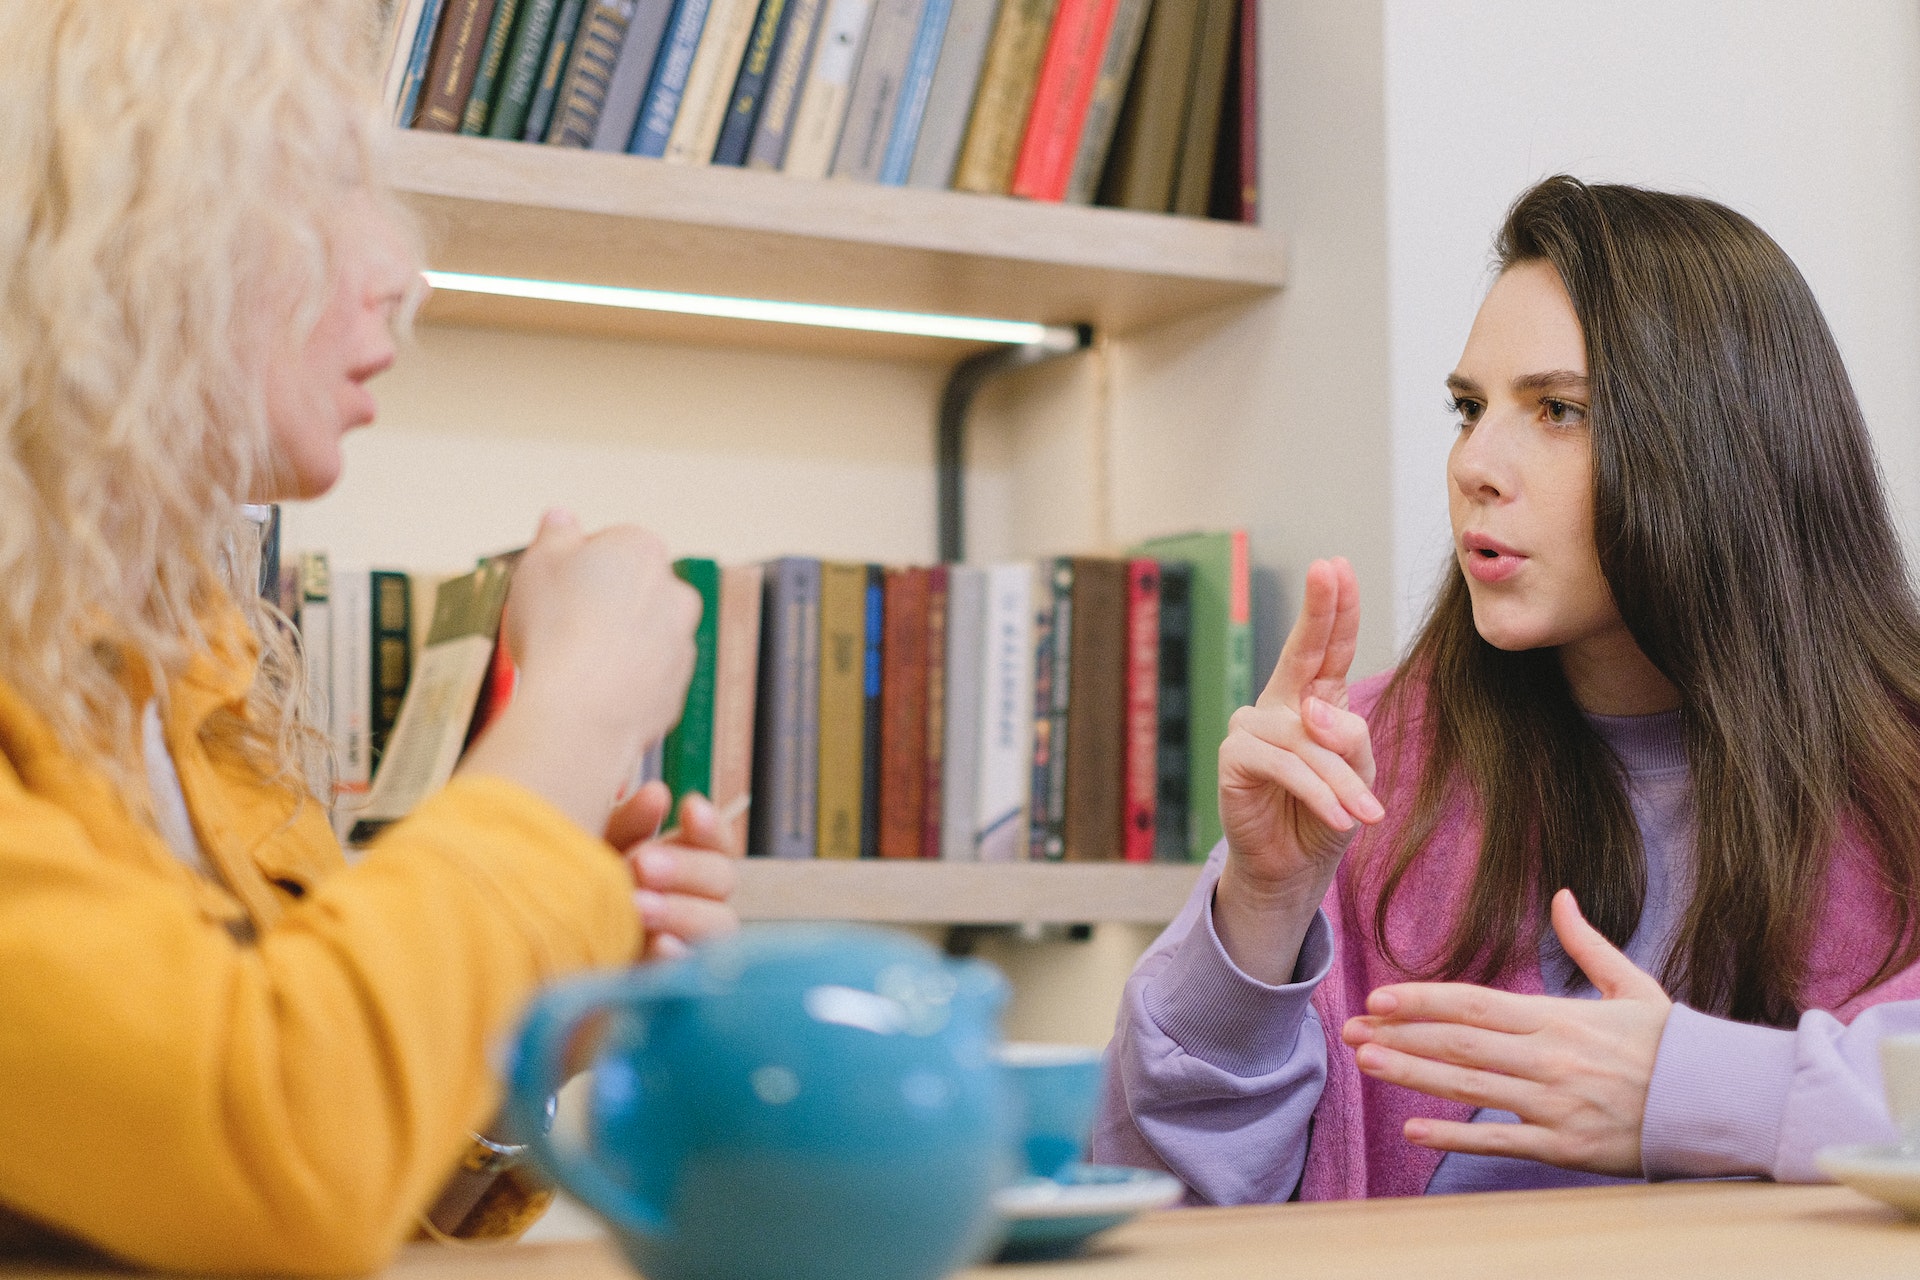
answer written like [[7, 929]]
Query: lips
[[1489, 560]]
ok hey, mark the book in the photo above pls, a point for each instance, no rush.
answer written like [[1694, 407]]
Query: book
[[631, 71], [503, 673], [689, 750], [950, 97], [735, 684], [1200, 133], [350, 704], [903, 714], [520, 74], [431, 729], [1140, 767], [1005, 94], [736, 131], [896, 162], [710, 80], [782, 95], [786, 730], [1109, 89], [316, 639], [1096, 712], [455, 62], [1219, 662], [1061, 96], [843, 709], [1146, 143], [661, 106], [1171, 800], [870, 737], [1003, 774], [493, 56], [933, 797], [392, 626], [553, 69], [413, 31], [583, 90], [876, 89], [965, 710], [1052, 672], [1236, 167], [815, 131]]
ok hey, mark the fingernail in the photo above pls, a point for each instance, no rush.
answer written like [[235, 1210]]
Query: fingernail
[[1319, 713], [1371, 810], [1369, 1057], [658, 864], [1418, 1130], [669, 947], [649, 904], [1382, 1003], [696, 809], [559, 517]]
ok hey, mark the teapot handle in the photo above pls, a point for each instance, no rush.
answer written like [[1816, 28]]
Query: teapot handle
[[538, 1070]]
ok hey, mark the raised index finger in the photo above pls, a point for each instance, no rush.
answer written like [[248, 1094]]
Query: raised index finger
[[1460, 1002], [1306, 652]]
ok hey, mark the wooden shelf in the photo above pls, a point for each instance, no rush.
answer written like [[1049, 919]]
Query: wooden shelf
[[963, 892], [514, 209]]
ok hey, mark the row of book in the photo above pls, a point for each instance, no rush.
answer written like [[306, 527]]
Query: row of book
[[1070, 708], [1145, 104]]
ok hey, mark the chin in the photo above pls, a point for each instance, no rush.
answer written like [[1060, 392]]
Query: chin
[[1499, 628]]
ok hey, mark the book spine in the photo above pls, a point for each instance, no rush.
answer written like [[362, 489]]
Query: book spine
[[770, 130], [520, 79], [1146, 147], [1004, 773], [1096, 712], [473, 121], [1060, 99], [749, 90], [406, 62], [1141, 768], [870, 726], [903, 711], [1005, 95], [392, 653], [966, 711], [843, 712], [1173, 775], [933, 799], [690, 743], [553, 70], [876, 89], [662, 103], [1249, 111], [590, 72], [631, 71], [1193, 180], [823, 99], [1042, 717], [316, 640], [350, 709], [1109, 90], [456, 60], [897, 161], [734, 688], [716, 63], [784, 772], [950, 98]]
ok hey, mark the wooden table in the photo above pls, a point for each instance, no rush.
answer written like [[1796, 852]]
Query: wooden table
[[1688, 1231]]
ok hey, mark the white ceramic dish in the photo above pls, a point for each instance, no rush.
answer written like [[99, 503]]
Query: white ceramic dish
[[1884, 1172], [1049, 1217]]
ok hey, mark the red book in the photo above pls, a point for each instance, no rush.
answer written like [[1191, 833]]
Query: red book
[[1141, 765], [1061, 95], [903, 714], [930, 800]]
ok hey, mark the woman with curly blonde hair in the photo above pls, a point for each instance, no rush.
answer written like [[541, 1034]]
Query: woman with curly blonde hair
[[223, 1049]]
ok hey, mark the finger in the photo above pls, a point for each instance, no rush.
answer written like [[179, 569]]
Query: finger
[[1607, 968], [1305, 651], [639, 816], [1343, 640], [1454, 1042], [663, 946], [1247, 760], [559, 528], [1521, 1141], [687, 918], [700, 873], [1445, 1080], [1343, 732], [700, 823], [1281, 728], [1461, 1002]]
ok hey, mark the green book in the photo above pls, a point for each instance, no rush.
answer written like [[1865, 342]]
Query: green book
[[520, 74], [493, 57], [688, 764], [1219, 663]]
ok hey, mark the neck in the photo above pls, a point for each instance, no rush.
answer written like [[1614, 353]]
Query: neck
[[1610, 676]]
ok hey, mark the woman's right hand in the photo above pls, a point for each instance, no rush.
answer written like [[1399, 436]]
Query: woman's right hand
[[1296, 779]]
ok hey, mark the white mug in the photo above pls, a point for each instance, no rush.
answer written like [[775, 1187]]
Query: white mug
[[1900, 1069]]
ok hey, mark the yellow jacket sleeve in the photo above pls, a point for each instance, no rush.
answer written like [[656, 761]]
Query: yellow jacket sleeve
[[185, 1096]]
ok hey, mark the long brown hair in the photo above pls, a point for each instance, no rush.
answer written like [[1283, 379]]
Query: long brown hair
[[1743, 531]]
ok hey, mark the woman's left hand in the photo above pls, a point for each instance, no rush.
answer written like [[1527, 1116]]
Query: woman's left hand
[[1574, 1071], [684, 878]]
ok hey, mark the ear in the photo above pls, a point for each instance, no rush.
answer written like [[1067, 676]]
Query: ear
[[1613, 975]]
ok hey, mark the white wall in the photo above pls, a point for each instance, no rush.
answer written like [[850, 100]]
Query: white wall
[[1805, 116]]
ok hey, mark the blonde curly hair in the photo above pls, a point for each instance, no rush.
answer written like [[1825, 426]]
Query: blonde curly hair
[[169, 223]]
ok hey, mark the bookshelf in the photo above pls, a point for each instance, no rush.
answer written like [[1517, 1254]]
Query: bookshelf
[[933, 892]]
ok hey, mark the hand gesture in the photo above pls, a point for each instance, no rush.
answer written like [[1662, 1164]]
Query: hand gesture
[[685, 877], [1575, 1071]]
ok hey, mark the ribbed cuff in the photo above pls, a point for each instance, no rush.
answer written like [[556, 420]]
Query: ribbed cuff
[[1715, 1102], [1208, 1006]]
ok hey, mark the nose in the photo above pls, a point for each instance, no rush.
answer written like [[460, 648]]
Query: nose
[[1478, 465]]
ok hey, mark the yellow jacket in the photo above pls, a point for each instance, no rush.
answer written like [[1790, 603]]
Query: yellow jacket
[[275, 1074]]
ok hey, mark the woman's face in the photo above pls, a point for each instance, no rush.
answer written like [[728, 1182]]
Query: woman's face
[[1520, 473], [317, 392]]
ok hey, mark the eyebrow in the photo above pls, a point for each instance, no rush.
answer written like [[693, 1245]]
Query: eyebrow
[[1553, 380]]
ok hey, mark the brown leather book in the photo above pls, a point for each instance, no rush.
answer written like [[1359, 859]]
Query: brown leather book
[[903, 714], [1005, 96], [1096, 710], [933, 802], [1146, 149], [457, 49]]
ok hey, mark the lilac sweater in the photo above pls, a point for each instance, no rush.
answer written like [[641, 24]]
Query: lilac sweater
[[1245, 1092]]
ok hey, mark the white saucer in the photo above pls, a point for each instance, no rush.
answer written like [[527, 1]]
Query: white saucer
[[1881, 1171], [1048, 1217]]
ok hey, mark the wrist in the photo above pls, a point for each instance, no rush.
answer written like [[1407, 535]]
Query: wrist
[[1262, 923]]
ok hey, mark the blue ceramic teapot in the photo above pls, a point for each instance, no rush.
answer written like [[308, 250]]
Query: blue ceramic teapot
[[800, 1102]]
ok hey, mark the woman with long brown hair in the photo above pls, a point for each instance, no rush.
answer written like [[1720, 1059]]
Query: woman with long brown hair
[[1631, 890]]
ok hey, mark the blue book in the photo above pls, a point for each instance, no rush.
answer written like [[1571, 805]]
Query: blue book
[[870, 729], [743, 110], [417, 63], [553, 70], [662, 103], [630, 75], [897, 163]]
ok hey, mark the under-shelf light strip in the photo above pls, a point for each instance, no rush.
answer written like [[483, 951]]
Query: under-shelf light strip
[[918, 324]]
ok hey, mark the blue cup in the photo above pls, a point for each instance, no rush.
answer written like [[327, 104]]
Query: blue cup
[[791, 1103], [1058, 1086]]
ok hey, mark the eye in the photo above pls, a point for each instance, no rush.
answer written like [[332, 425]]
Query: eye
[[1465, 408], [1563, 413]]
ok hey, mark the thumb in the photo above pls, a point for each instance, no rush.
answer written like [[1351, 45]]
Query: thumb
[[1613, 975], [558, 524]]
